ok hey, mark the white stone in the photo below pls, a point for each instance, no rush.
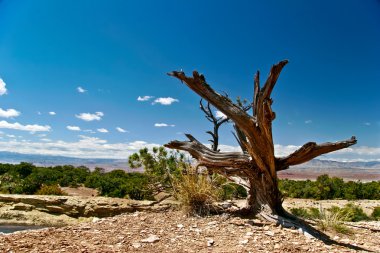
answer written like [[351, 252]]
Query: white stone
[[151, 239]]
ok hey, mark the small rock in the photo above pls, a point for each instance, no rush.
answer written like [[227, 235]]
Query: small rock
[[95, 219], [212, 223], [277, 246], [180, 226], [151, 239], [225, 205], [270, 233], [243, 241], [136, 245], [210, 242], [249, 234]]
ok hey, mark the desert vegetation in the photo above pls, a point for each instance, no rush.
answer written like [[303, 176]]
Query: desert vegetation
[[164, 171]]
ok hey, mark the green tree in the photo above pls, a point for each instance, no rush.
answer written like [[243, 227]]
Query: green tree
[[160, 165]]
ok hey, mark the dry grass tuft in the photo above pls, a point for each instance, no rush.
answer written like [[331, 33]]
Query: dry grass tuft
[[196, 193]]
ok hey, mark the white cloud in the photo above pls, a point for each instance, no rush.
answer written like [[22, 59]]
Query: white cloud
[[52, 113], [219, 114], [3, 89], [90, 116], [73, 128], [93, 147], [163, 125], [89, 131], [39, 113], [165, 101], [121, 130], [30, 128], [309, 121], [144, 98], [367, 123], [81, 90], [9, 113], [350, 154], [102, 130], [11, 136], [85, 147]]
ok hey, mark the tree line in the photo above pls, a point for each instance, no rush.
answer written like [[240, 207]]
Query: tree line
[[161, 168], [326, 187]]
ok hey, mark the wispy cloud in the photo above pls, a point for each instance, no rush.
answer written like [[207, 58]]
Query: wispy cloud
[[85, 147], [219, 114], [3, 89], [367, 123], [9, 113], [309, 121], [351, 154], [144, 98], [163, 125], [102, 130], [121, 130], [73, 128], [52, 113], [81, 90], [30, 128], [89, 131], [165, 101], [90, 116]]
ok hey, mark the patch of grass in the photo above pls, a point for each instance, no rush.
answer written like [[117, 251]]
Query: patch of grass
[[329, 220], [300, 212], [350, 212], [376, 213], [310, 213], [196, 193], [50, 190]]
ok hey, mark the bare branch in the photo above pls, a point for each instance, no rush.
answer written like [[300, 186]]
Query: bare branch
[[311, 150], [210, 158], [272, 78]]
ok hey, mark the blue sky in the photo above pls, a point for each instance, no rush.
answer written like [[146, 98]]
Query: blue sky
[[116, 51]]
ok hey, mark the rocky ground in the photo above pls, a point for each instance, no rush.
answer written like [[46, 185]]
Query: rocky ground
[[154, 226], [171, 231], [67, 210]]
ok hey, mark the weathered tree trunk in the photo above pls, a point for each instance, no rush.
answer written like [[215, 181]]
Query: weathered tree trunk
[[255, 168]]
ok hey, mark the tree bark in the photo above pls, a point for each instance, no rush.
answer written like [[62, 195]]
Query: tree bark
[[255, 168]]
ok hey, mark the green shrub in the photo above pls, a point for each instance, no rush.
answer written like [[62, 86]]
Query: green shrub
[[376, 213], [50, 190], [300, 212], [310, 213], [350, 212]]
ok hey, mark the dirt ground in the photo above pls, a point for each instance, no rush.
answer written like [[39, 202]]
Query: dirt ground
[[172, 231]]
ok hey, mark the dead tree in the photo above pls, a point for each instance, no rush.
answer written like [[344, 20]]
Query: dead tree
[[256, 167], [216, 121]]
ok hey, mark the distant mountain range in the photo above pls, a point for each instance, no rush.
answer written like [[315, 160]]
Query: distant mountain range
[[48, 160], [314, 166]]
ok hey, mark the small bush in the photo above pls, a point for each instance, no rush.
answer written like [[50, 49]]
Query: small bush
[[50, 190], [350, 212], [330, 220], [196, 193], [376, 213], [300, 212]]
